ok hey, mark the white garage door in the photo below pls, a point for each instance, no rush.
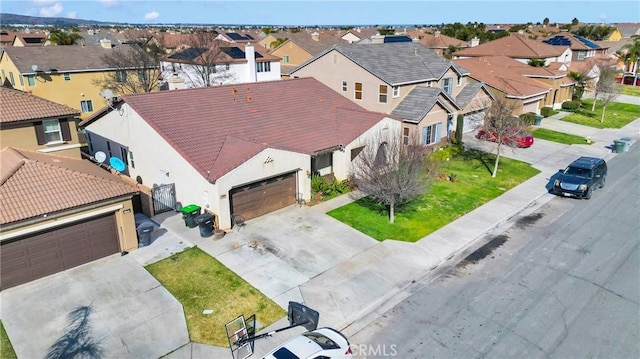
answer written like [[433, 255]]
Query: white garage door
[[530, 107], [473, 121]]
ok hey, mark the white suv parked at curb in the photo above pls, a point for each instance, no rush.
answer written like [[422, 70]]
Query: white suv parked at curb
[[322, 343]]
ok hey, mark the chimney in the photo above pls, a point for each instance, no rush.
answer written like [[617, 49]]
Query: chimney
[[105, 43], [175, 82], [437, 33], [315, 36], [475, 42], [250, 55], [377, 39]]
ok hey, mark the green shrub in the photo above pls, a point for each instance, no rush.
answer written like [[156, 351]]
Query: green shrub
[[459, 129], [547, 111], [445, 153], [571, 105], [528, 117]]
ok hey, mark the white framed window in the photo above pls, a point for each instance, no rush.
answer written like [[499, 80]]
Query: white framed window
[[227, 66], [67, 76], [581, 55], [405, 135], [285, 59], [86, 106], [357, 91], [263, 66], [143, 75], [382, 93], [3, 76], [396, 91], [344, 86], [459, 82], [447, 85], [52, 131], [121, 76], [13, 82], [31, 80], [429, 84], [21, 81], [431, 134]]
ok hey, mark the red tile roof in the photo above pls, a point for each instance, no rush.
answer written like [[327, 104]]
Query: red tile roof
[[440, 41], [507, 75], [33, 184], [21, 106], [218, 128], [515, 46]]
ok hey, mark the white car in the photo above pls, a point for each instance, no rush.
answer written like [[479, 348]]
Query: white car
[[320, 343]]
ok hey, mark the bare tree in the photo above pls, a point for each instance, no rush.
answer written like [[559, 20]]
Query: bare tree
[[392, 172], [606, 88], [204, 60], [134, 67], [502, 125]]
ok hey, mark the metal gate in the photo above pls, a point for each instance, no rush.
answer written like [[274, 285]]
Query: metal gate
[[164, 198]]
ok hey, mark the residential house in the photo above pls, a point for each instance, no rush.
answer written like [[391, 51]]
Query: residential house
[[268, 40], [384, 39], [32, 123], [238, 150], [581, 48], [62, 74], [528, 88], [441, 43], [22, 39], [6, 38], [58, 213], [518, 47], [236, 37], [359, 33], [406, 80], [233, 63], [615, 35], [300, 47], [629, 30]]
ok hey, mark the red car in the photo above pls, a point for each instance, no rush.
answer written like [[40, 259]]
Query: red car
[[518, 138]]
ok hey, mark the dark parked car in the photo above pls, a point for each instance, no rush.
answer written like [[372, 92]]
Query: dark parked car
[[581, 177], [517, 138]]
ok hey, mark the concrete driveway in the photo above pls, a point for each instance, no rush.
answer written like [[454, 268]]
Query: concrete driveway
[[112, 306]]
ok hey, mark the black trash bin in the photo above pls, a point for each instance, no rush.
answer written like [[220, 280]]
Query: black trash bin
[[205, 223], [189, 214], [144, 230]]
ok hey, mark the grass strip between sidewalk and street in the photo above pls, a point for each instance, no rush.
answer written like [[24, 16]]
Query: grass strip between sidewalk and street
[[199, 282], [445, 201], [630, 90], [559, 137], [6, 349], [616, 115]]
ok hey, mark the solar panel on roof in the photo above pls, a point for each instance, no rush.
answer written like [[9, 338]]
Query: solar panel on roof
[[587, 42], [249, 37], [392, 39], [188, 54], [235, 36], [558, 40], [234, 52]]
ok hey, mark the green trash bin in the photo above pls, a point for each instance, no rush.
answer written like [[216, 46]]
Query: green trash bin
[[627, 143], [538, 120], [619, 145], [189, 214]]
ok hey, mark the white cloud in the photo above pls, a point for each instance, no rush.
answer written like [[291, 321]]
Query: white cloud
[[109, 3], [150, 16], [71, 15], [43, 2], [51, 11]]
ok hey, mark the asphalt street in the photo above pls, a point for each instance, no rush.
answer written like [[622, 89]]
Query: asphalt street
[[562, 282]]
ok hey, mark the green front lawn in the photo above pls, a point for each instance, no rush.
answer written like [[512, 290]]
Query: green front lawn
[[199, 282], [6, 349], [630, 90], [616, 115], [444, 202], [559, 137]]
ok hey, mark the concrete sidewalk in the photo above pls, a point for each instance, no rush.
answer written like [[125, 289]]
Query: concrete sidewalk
[[348, 277]]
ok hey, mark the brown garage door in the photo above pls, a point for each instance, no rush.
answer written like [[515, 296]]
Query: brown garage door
[[258, 198], [27, 258]]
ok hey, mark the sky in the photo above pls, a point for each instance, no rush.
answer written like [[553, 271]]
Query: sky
[[330, 12]]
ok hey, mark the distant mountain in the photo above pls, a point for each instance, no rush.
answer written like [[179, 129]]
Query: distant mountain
[[13, 19]]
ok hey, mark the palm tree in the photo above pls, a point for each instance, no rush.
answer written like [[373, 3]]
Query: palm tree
[[630, 53], [61, 37]]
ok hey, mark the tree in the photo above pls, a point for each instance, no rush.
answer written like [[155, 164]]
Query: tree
[[630, 54], [545, 21], [391, 172], [501, 122], [606, 88], [536, 62], [279, 41], [135, 68], [63, 38], [582, 80], [575, 21], [448, 52], [205, 59]]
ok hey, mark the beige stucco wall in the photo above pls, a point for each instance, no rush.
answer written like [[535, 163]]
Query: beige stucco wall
[[296, 54], [123, 210], [22, 135]]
